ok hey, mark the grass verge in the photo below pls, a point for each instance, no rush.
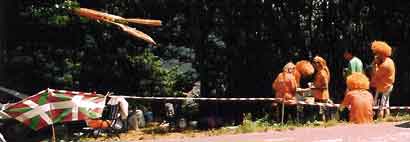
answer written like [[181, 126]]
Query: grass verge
[[248, 126]]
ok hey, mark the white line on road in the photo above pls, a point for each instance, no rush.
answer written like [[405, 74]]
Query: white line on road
[[330, 140], [277, 140]]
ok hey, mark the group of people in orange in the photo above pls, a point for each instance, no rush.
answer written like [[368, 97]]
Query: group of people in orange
[[357, 97]]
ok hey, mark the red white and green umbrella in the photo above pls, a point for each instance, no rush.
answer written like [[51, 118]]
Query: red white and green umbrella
[[55, 106]]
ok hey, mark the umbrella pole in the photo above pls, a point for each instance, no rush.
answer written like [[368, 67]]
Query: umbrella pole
[[53, 138], [53, 133]]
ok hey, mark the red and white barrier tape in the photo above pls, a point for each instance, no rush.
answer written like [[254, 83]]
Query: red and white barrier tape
[[247, 99], [395, 107], [318, 104], [202, 99]]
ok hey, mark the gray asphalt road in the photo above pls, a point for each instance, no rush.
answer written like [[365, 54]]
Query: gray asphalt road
[[381, 132]]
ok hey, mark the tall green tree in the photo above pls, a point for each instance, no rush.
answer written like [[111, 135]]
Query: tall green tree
[[234, 47]]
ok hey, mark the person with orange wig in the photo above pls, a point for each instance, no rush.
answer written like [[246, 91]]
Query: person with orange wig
[[358, 98], [303, 75], [383, 75], [285, 88], [320, 87], [321, 81], [303, 69]]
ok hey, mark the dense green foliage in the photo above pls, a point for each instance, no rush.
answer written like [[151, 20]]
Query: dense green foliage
[[235, 47]]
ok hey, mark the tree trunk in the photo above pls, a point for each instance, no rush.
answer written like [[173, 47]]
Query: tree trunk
[[3, 36]]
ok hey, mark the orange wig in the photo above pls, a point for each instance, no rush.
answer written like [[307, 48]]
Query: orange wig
[[357, 81], [305, 68], [381, 48], [320, 60]]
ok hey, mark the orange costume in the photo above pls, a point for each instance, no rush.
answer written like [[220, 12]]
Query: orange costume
[[321, 83], [303, 68], [97, 123], [285, 84], [383, 75], [361, 102], [358, 98], [298, 76]]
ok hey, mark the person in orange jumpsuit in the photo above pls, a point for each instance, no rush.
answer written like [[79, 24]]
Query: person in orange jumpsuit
[[358, 98], [383, 75], [285, 88]]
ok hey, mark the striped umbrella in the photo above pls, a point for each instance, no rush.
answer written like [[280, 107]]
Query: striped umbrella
[[56, 106]]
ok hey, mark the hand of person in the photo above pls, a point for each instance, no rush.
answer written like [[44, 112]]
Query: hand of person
[[302, 89], [291, 101], [345, 70], [274, 104], [186, 94]]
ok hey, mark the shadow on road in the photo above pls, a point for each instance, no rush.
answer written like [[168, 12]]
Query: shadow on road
[[404, 125]]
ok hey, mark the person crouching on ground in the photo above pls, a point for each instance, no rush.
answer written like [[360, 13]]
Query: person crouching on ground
[[358, 98], [285, 88], [383, 76]]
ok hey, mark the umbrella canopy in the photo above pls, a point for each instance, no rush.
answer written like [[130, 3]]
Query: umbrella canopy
[[55, 106]]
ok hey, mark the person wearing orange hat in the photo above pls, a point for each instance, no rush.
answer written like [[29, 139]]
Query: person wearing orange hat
[[383, 75], [285, 88], [358, 98]]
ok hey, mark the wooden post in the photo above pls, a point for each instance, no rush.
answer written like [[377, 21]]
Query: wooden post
[[283, 112]]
